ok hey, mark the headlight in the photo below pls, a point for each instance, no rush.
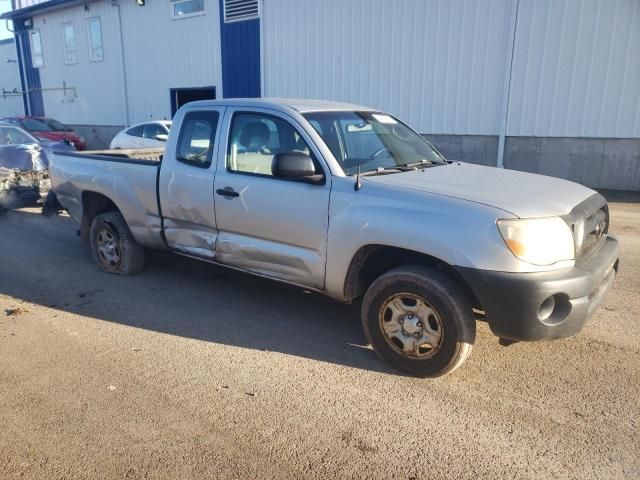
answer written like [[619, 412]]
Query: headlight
[[539, 241]]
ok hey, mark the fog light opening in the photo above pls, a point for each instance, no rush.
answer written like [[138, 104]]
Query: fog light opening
[[555, 309], [546, 308]]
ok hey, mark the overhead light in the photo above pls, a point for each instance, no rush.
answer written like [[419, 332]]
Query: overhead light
[[140, 3], [28, 23]]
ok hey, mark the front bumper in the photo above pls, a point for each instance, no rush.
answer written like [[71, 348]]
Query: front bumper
[[513, 302], [22, 188]]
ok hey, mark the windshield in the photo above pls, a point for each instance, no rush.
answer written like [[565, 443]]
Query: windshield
[[34, 125], [372, 140], [55, 125], [15, 136]]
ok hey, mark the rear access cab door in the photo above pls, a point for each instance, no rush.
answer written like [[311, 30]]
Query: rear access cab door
[[269, 225], [186, 182]]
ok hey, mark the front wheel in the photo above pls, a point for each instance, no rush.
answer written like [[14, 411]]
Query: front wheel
[[419, 321], [113, 247]]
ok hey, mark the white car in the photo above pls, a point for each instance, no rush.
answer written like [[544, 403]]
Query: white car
[[143, 135]]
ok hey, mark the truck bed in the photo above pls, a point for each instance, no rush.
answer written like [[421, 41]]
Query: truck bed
[[128, 178], [149, 154]]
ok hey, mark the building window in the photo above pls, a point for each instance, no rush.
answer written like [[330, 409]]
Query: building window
[[186, 8], [95, 39], [36, 49], [69, 39], [238, 10]]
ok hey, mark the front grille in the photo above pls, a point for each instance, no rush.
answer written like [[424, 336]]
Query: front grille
[[595, 231], [589, 222]]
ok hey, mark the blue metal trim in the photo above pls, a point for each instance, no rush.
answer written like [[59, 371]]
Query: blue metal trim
[[27, 11], [23, 86], [6, 40], [36, 102], [240, 52]]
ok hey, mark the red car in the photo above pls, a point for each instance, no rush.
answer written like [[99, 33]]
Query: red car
[[45, 128]]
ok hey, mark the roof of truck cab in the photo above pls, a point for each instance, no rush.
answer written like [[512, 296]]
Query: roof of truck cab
[[302, 105]]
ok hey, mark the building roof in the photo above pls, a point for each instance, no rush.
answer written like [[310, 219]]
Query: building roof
[[37, 8], [301, 105]]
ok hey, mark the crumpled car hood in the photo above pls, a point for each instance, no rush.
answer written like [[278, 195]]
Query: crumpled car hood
[[21, 157], [30, 157]]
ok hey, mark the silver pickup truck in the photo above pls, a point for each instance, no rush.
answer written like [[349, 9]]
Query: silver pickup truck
[[350, 202]]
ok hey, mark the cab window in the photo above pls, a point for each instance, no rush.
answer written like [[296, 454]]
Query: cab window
[[256, 138], [196, 139]]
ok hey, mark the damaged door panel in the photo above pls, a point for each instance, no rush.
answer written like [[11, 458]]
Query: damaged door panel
[[187, 178], [270, 225]]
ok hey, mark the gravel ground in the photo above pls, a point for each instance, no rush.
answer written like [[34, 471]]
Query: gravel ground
[[192, 371]]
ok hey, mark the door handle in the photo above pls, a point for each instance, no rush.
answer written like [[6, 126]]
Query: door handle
[[227, 192]]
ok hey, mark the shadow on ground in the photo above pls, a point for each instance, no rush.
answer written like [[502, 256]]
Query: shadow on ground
[[45, 263]]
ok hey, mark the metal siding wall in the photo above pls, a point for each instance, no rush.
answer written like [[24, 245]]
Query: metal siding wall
[[161, 53], [9, 80], [576, 70], [438, 64], [98, 84]]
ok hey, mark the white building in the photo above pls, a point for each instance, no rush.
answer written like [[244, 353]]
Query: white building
[[551, 86]]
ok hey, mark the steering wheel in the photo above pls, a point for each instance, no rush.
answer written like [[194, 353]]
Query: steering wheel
[[379, 152]]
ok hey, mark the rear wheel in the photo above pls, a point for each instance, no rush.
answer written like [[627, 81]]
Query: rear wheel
[[113, 247], [419, 321]]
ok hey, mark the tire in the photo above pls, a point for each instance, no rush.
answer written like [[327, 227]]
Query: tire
[[113, 247], [393, 310]]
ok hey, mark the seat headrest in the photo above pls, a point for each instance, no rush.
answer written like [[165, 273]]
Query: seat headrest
[[254, 135]]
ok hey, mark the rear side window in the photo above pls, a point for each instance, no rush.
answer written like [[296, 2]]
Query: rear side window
[[197, 134], [152, 129], [135, 131]]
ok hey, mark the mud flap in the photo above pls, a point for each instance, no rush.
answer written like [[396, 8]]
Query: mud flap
[[51, 205]]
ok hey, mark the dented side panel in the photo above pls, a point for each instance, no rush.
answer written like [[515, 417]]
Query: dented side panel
[[273, 227], [186, 196], [131, 187]]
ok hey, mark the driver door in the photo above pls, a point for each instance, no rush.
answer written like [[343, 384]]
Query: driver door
[[270, 225]]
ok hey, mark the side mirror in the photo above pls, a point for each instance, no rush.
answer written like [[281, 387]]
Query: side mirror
[[295, 166], [162, 137]]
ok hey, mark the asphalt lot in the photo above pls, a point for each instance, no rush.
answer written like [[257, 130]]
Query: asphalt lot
[[192, 371]]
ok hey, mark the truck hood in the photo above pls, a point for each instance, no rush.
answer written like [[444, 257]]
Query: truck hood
[[520, 193]]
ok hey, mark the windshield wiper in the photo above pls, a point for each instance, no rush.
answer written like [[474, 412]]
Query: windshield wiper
[[422, 163], [387, 170]]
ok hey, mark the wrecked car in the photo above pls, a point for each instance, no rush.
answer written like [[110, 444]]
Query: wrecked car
[[350, 202], [24, 166]]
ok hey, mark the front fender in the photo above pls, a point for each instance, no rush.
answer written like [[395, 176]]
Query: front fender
[[454, 231]]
